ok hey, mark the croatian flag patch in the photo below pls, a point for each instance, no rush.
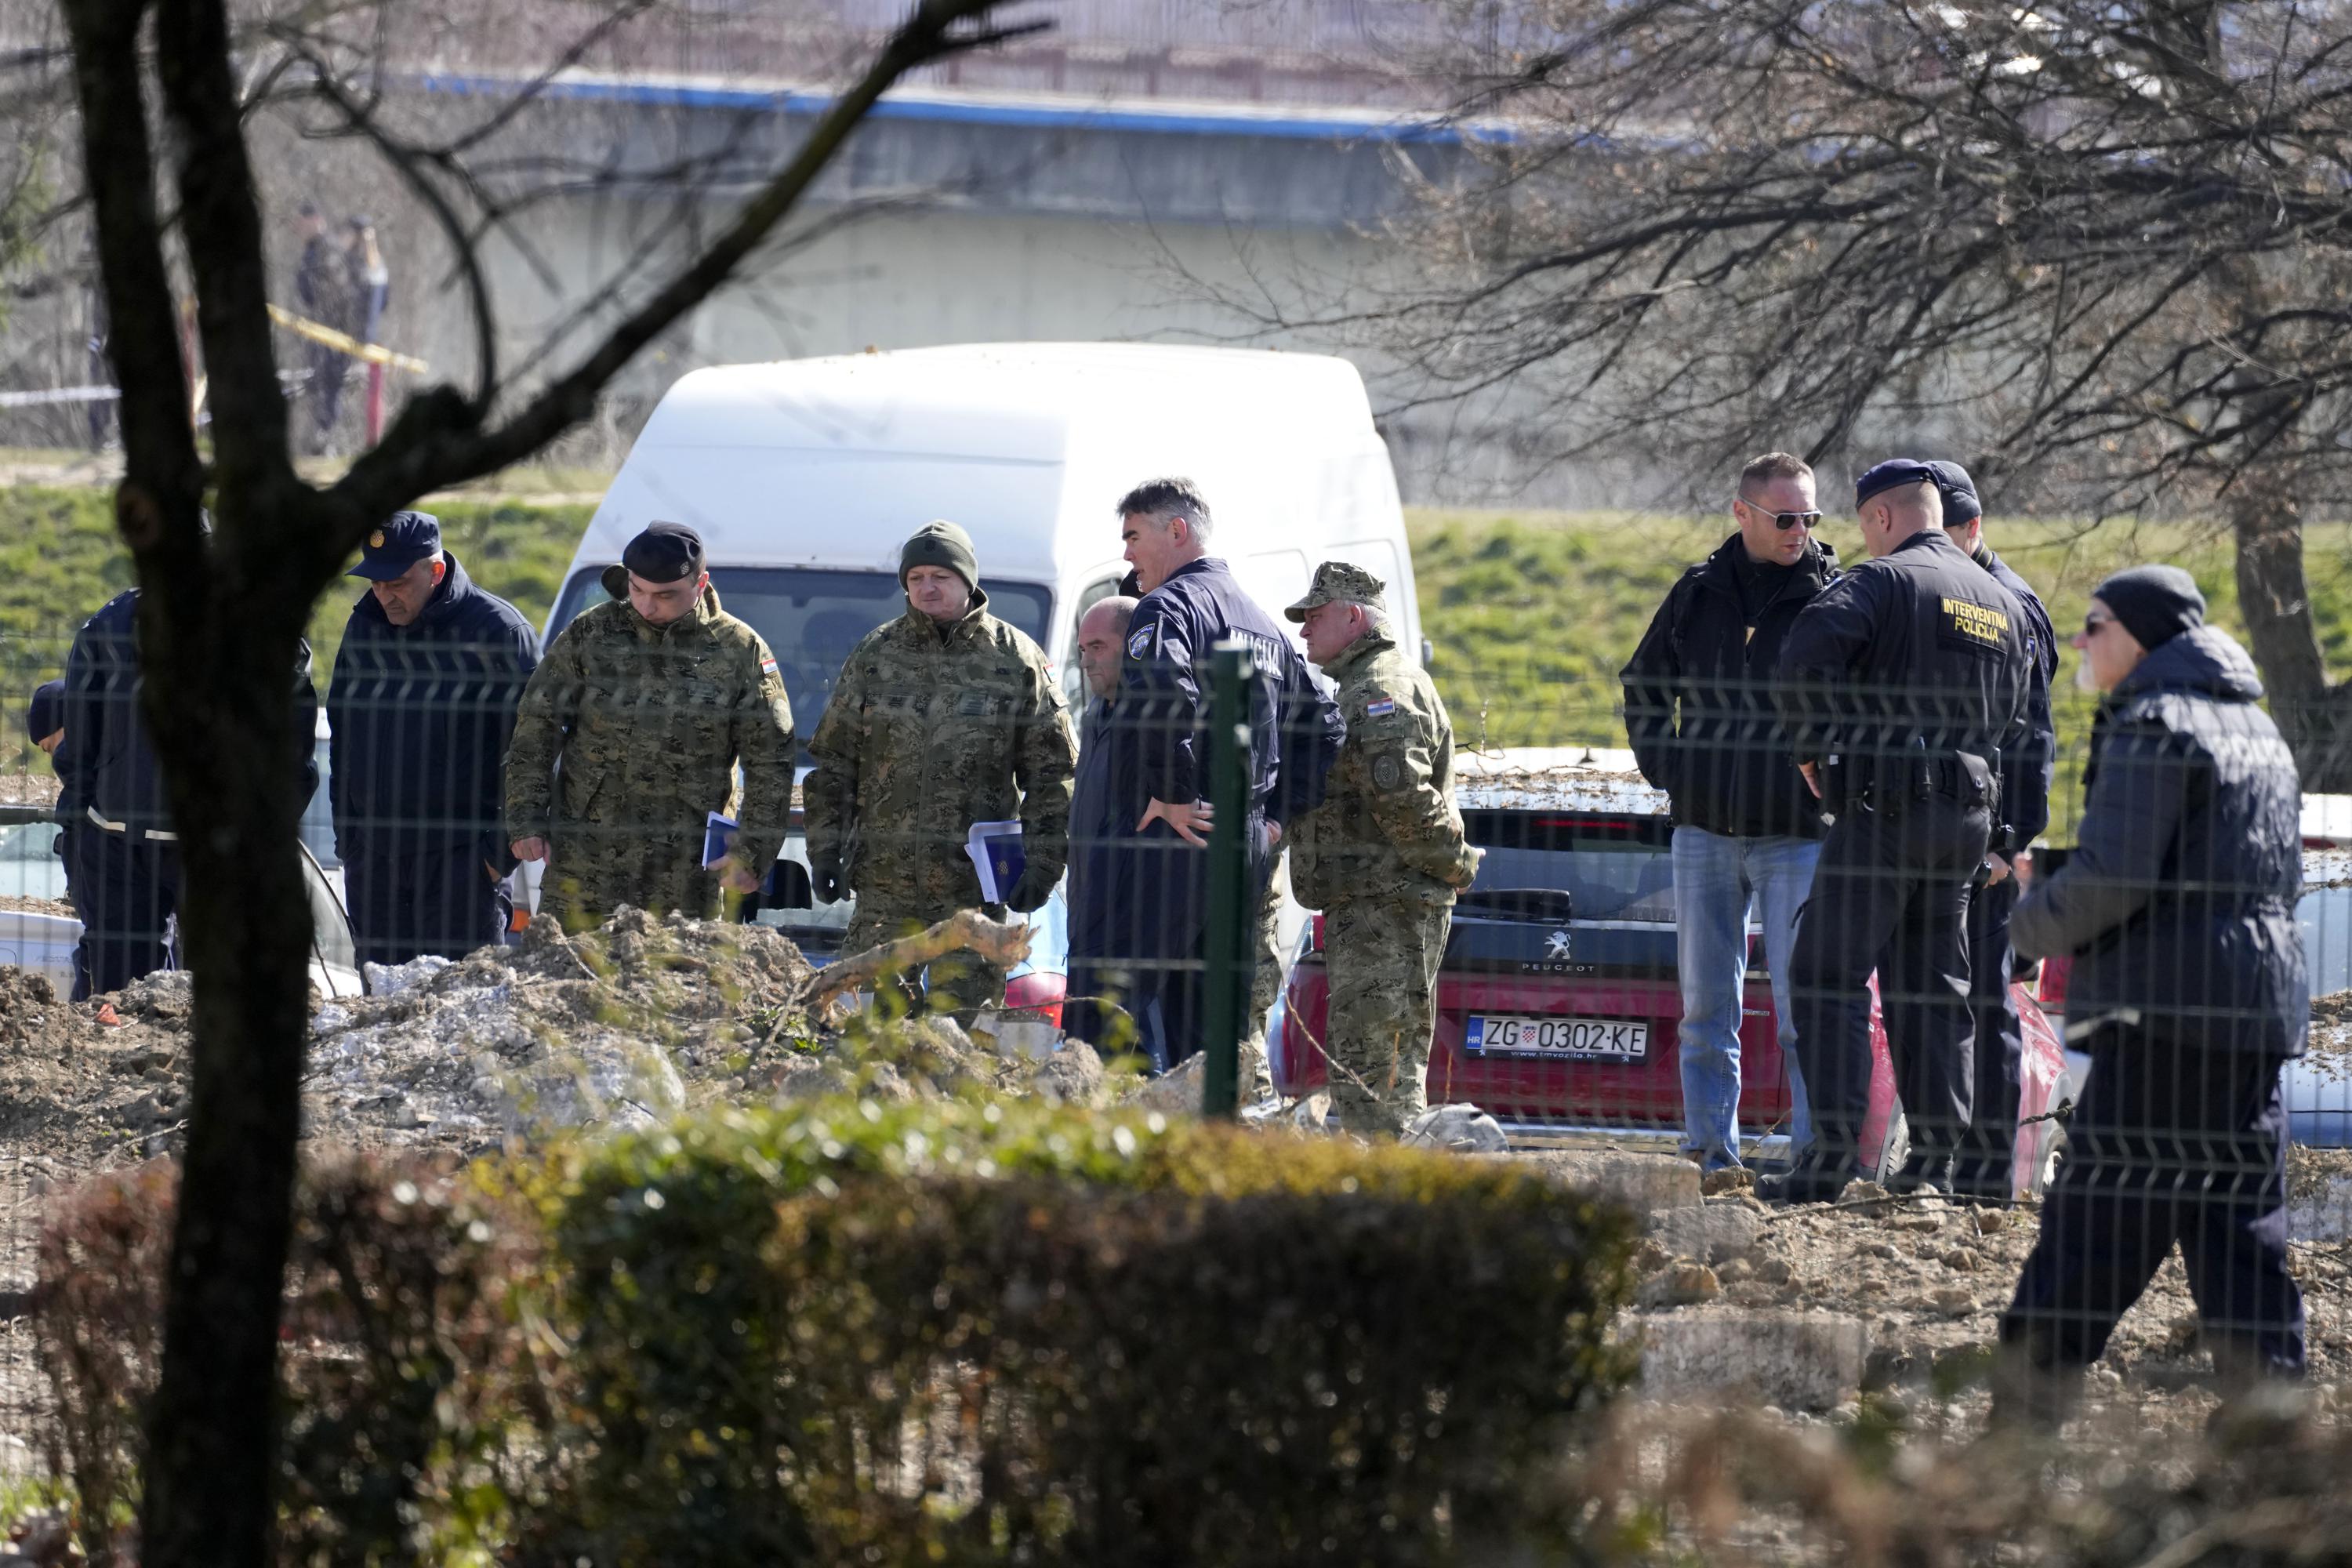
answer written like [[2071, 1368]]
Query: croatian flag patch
[[1374, 709], [768, 667]]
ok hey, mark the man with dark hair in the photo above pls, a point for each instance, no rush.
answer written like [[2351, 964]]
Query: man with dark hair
[[943, 718], [1698, 710], [1190, 604], [423, 703], [650, 702], [1985, 1169], [1903, 685]]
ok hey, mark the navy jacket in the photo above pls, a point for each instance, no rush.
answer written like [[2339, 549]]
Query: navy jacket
[[420, 716], [2179, 901], [105, 764], [1916, 657], [1107, 798], [1698, 700], [2026, 776], [1295, 728]]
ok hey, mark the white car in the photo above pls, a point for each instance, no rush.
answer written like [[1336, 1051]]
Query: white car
[[43, 940]]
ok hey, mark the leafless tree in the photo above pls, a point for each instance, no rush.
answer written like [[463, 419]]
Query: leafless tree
[[2100, 250], [170, 93]]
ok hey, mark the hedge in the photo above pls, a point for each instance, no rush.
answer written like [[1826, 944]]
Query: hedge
[[954, 1330], [990, 1333]]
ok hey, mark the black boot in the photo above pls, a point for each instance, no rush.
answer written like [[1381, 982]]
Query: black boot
[[2029, 1396], [1812, 1180], [1925, 1171]]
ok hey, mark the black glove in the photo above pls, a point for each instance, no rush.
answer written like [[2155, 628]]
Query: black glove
[[824, 881], [1029, 891]]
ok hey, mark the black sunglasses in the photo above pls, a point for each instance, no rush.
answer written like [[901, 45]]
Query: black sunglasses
[[1785, 520]]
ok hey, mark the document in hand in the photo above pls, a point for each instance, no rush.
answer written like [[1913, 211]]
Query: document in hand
[[995, 851], [718, 837]]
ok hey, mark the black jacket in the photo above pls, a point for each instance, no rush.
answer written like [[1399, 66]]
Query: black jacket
[[105, 764], [1903, 669], [2026, 775], [1107, 800], [2179, 901], [1698, 704], [1295, 728], [420, 716]]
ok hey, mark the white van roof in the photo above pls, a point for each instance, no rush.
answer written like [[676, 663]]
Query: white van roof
[[1027, 445]]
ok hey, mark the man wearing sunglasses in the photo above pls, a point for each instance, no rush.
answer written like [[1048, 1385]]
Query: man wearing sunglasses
[[1698, 707]]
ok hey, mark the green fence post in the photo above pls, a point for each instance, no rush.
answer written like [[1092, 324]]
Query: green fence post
[[1229, 947]]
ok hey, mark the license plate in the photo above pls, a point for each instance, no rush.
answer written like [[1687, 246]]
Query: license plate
[[1519, 1034]]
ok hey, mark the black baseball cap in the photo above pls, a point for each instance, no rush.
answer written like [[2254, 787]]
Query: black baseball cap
[[46, 714], [1889, 475], [1960, 503], [406, 539], [665, 552]]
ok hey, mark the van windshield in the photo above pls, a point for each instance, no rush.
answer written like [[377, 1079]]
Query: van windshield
[[812, 618]]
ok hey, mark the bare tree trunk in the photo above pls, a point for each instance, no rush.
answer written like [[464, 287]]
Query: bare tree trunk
[[2275, 600], [220, 618]]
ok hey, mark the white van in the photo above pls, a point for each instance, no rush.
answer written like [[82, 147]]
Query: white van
[[805, 477]]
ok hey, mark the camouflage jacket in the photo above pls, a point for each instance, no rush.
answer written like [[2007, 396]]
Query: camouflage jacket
[[1388, 827], [649, 723], [928, 732]]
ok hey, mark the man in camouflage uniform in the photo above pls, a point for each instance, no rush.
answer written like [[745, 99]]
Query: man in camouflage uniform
[[943, 718], [1383, 857], [649, 703]]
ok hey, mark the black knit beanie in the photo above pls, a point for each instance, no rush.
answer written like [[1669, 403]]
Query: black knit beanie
[[940, 544], [2156, 604]]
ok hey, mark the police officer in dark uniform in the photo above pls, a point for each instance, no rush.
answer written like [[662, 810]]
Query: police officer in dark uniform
[[420, 709], [1904, 685], [125, 875], [1190, 603], [1985, 1167]]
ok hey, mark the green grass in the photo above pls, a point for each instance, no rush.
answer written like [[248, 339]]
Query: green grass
[[60, 559], [1532, 613]]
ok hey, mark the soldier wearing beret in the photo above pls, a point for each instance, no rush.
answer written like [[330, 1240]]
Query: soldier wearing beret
[[649, 704], [1383, 855], [943, 718], [1904, 686], [422, 702]]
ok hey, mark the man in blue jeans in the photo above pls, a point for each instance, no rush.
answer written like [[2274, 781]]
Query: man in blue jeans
[[1698, 708]]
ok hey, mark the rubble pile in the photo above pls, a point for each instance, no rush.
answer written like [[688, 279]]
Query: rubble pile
[[1812, 1308], [615, 1028]]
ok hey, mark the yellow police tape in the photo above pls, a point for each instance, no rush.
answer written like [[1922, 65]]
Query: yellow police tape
[[370, 353]]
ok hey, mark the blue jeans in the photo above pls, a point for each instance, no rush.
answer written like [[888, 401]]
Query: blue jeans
[[1718, 880]]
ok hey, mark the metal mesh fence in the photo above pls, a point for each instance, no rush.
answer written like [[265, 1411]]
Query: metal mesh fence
[[1679, 952]]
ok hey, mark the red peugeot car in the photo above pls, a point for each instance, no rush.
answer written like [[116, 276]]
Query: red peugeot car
[[1557, 1003]]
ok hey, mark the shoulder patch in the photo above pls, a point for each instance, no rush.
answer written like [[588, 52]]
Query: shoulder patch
[[1139, 642], [1388, 773], [768, 664], [1375, 710]]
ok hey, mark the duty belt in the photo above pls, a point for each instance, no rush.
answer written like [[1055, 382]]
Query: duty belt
[[154, 835]]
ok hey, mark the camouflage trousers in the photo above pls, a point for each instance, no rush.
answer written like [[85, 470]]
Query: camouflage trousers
[[962, 983], [1383, 958], [590, 874], [1255, 1078]]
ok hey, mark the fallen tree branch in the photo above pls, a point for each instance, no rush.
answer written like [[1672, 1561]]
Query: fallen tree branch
[[996, 940]]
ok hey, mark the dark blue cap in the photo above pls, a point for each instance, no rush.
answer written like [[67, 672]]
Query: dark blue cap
[[47, 714], [1960, 503], [665, 552], [1889, 474], [407, 538]]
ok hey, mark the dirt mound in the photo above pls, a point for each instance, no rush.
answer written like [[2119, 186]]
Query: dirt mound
[[619, 1027]]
